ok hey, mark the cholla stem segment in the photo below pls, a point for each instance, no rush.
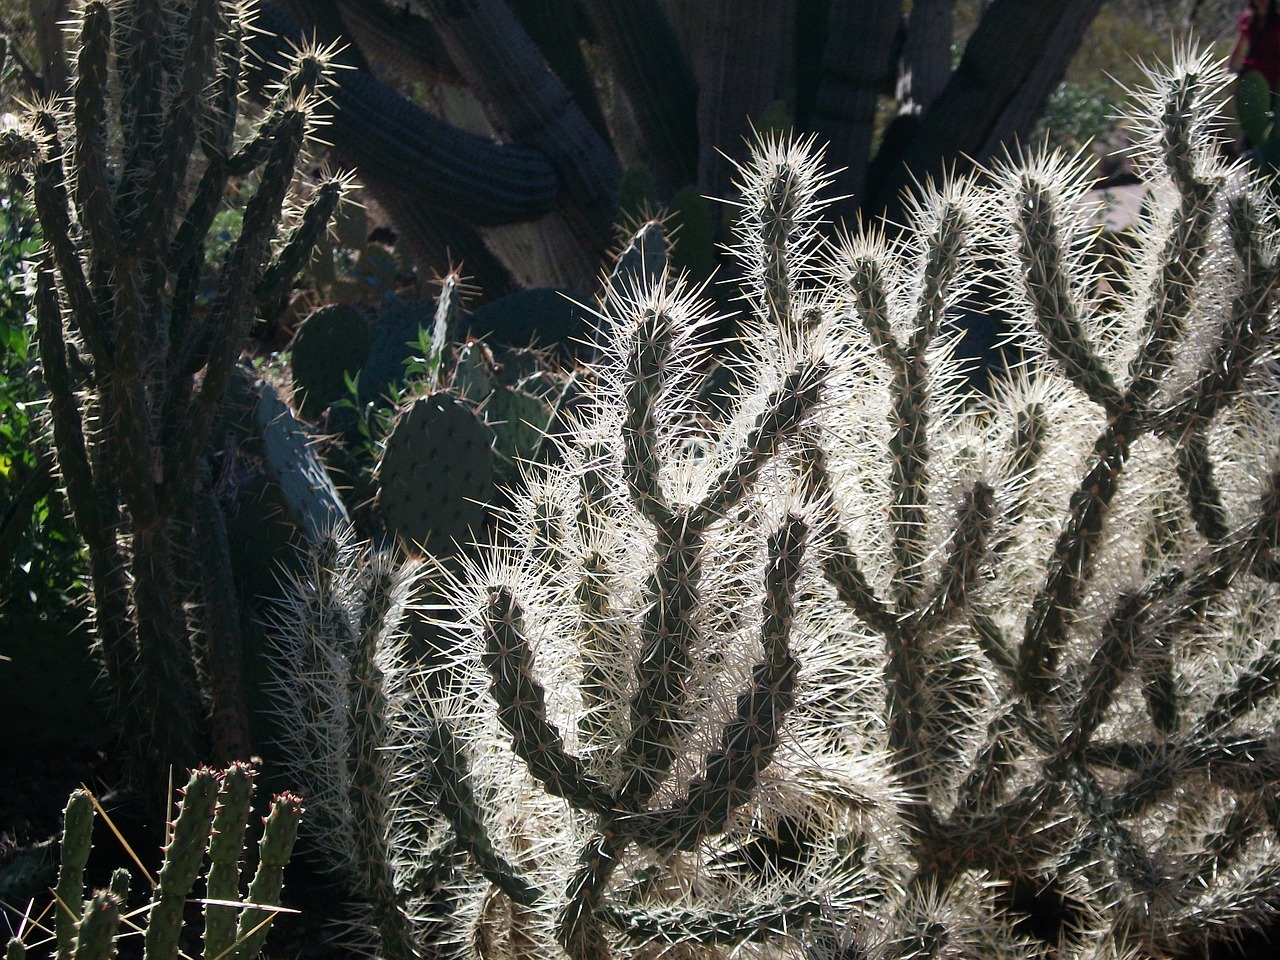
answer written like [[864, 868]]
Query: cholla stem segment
[[750, 739], [646, 367], [77, 833], [1057, 308], [522, 710], [226, 842], [340, 683], [183, 857]]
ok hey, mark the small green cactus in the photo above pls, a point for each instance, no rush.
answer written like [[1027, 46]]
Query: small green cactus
[[211, 821]]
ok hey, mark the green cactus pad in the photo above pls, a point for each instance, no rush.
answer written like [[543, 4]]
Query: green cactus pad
[[436, 474], [543, 315], [331, 345], [475, 373], [519, 423], [518, 364], [390, 337], [1253, 105]]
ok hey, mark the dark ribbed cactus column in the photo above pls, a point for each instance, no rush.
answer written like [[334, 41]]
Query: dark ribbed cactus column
[[135, 363]]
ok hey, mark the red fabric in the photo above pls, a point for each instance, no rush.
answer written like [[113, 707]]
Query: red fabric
[[1262, 45]]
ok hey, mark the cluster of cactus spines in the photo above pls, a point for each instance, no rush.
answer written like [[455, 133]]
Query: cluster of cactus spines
[[127, 178], [211, 821], [829, 671], [340, 680], [444, 327]]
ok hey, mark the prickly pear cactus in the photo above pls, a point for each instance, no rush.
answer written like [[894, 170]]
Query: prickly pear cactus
[[516, 392], [1255, 109], [519, 422], [393, 338], [436, 475], [475, 372], [331, 345], [542, 316]]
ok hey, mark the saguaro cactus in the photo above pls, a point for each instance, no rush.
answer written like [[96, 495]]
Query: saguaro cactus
[[839, 669], [126, 178]]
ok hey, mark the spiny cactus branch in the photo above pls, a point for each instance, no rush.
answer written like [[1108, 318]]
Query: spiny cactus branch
[[1035, 635], [750, 739], [522, 710], [140, 366]]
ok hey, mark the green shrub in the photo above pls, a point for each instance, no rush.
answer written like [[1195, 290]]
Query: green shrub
[[43, 570]]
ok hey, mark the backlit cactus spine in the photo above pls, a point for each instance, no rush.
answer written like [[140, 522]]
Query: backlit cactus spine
[[127, 178], [1075, 645], [340, 683]]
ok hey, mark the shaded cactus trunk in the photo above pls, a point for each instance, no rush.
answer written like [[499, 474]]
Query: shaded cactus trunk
[[126, 185]]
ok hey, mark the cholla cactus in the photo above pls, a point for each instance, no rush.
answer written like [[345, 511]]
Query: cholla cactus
[[830, 672], [339, 684], [127, 177]]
